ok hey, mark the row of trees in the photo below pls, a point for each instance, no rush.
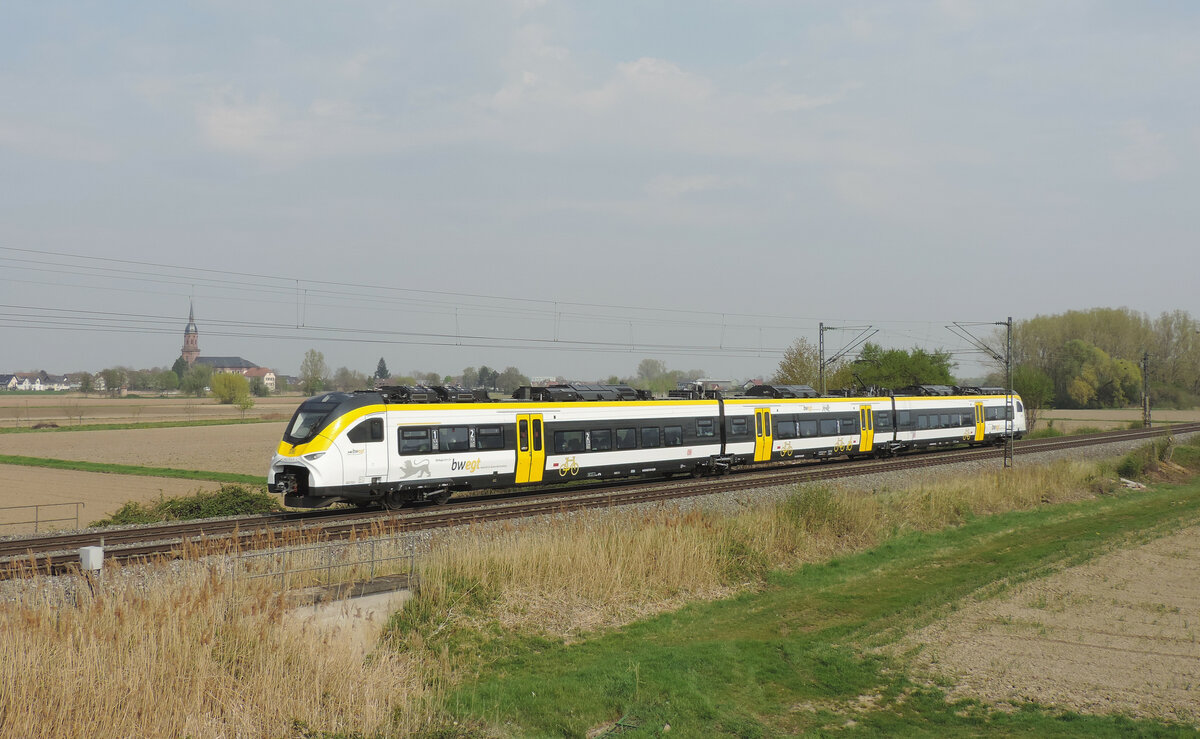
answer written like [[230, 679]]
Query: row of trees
[[875, 367], [1092, 359]]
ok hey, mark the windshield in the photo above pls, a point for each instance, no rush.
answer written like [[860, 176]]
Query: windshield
[[308, 420]]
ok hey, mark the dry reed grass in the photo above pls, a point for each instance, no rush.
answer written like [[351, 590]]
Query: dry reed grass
[[201, 654], [198, 655]]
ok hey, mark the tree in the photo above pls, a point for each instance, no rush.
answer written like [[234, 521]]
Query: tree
[[166, 381], [1035, 388], [258, 388], [313, 372], [230, 388], [381, 370], [244, 404], [470, 378], [487, 376], [180, 368], [196, 380], [86, 383], [650, 369], [114, 379], [511, 379], [801, 365], [895, 368], [346, 379]]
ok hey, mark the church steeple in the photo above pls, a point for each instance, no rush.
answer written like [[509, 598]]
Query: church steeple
[[191, 337]]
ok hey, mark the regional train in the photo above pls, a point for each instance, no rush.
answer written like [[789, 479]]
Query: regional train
[[398, 445]]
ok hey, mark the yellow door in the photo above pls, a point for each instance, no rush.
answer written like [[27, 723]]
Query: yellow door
[[866, 427], [979, 422], [763, 438], [531, 452]]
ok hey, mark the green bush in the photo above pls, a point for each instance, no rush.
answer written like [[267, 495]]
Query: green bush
[[229, 500]]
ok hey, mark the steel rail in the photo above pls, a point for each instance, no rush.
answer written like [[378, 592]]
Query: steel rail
[[58, 552]]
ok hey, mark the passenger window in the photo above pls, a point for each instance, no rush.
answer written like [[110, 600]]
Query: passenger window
[[627, 438], [453, 439], [785, 429], [523, 434], [489, 437], [601, 440], [829, 427], [537, 435], [369, 430], [415, 441], [946, 421], [566, 442], [673, 436], [808, 428], [904, 419], [1020, 408], [883, 421], [922, 421], [650, 437], [849, 424], [738, 427], [706, 427]]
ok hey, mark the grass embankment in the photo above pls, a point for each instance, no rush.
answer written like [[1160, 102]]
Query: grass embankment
[[128, 469], [534, 630]]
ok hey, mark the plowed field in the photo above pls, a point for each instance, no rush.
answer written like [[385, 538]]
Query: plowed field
[[1120, 634]]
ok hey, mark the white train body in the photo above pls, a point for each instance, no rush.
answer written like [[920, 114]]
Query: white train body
[[366, 448]]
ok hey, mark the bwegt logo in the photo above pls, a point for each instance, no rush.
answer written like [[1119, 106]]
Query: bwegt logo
[[468, 465]]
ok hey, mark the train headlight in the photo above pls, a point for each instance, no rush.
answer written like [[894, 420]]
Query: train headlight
[[314, 456]]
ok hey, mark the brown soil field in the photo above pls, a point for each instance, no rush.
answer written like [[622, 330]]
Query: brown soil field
[[241, 448], [1120, 634], [67, 409], [101, 495], [244, 449]]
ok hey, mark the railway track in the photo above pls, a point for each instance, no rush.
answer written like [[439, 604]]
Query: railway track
[[57, 553]]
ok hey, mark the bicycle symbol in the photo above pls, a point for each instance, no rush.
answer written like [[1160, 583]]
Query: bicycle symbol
[[570, 467], [786, 450]]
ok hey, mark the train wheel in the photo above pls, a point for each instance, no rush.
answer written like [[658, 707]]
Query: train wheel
[[442, 497], [394, 499]]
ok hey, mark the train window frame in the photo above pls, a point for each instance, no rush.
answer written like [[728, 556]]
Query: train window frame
[[904, 420], [787, 428], [449, 441], [523, 434], [415, 433], [367, 431], [827, 426], [484, 436], [602, 440], [672, 436], [810, 425], [706, 428], [627, 438], [946, 422], [651, 434], [848, 424], [883, 421], [922, 422], [736, 421], [563, 441]]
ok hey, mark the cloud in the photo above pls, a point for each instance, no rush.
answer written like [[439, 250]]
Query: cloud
[[1144, 155]]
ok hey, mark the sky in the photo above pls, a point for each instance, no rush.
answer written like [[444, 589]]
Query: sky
[[572, 187]]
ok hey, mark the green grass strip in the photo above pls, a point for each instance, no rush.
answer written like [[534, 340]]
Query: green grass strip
[[146, 425], [744, 666], [128, 469]]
